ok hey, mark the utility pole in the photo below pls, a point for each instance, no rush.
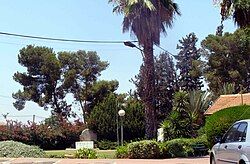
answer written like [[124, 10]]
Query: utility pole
[[117, 122], [33, 119]]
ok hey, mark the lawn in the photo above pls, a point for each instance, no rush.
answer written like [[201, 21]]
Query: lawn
[[69, 153]]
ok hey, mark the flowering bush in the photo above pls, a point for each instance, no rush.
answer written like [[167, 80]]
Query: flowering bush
[[52, 134]]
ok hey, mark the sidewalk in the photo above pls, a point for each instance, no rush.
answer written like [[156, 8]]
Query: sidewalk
[[202, 160]]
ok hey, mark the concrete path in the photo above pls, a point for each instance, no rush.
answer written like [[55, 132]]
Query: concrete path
[[202, 160]]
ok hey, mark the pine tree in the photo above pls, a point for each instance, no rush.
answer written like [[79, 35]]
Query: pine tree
[[165, 78], [165, 85], [189, 64], [228, 62]]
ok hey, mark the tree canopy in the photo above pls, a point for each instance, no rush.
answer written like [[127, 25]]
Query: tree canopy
[[228, 60], [189, 64], [51, 76], [238, 9]]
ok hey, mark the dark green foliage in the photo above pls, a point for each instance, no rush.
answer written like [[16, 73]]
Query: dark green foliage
[[175, 126], [218, 123], [182, 147], [122, 152], [99, 90], [144, 150], [80, 70], [134, 120], [178, 148], [106, 145], [12, 149], [84, 153], [165, 79], [165, 85], [187, 115], [40, 82], [228, 61], [50, 77], [189, 64], [240, 14], [103, 119]]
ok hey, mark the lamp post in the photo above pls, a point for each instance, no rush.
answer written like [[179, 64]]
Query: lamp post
[[132, 45], [121, 114], [117, 123]]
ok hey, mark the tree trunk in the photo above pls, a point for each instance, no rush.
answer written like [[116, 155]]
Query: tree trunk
[[149, 91]]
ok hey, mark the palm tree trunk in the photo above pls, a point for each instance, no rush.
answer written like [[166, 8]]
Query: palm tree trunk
[[149, 91]]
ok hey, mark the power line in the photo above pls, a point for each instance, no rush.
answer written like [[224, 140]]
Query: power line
[[8, 97], [62, 39], [20, 116], [70, 48], [166, 51]]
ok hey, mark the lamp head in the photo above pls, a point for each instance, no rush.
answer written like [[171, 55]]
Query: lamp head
[[121, 112], [129, 44]]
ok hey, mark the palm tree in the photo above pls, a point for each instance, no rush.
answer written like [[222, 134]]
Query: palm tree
[[198, 103], [239, 9], [187, 115], [147, 19]]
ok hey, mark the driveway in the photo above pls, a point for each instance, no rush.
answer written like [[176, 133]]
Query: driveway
[[202, 160]]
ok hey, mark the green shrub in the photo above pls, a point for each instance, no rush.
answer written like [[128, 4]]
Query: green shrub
[[178, 148], [122, 152], [182, 147], [12, 149], [144, 150], [106, 145], [218, 123], [86, 153]]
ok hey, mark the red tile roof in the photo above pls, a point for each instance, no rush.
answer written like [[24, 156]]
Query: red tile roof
[[225, 101]]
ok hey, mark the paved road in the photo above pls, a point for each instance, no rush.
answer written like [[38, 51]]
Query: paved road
[[203, 160]]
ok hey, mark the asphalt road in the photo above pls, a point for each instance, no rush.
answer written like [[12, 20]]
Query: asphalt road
[[202, 160]]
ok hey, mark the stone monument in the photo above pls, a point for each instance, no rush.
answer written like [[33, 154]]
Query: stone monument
[[87, 139]]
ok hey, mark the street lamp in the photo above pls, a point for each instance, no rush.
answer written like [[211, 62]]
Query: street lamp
[[121, 113], [132, 45]]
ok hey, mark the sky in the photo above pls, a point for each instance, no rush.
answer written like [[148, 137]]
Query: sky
[[86, 20]]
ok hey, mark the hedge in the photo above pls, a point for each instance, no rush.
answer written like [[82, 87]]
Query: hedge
[[183, 147], [148, 149], [219, 122]]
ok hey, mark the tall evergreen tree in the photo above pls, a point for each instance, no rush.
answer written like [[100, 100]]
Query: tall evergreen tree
[[165, 82], [102, 119], [165, 85], [189, 64]]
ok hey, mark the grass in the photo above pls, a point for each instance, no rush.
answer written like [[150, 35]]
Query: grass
[[106, 154], [101, 154]]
